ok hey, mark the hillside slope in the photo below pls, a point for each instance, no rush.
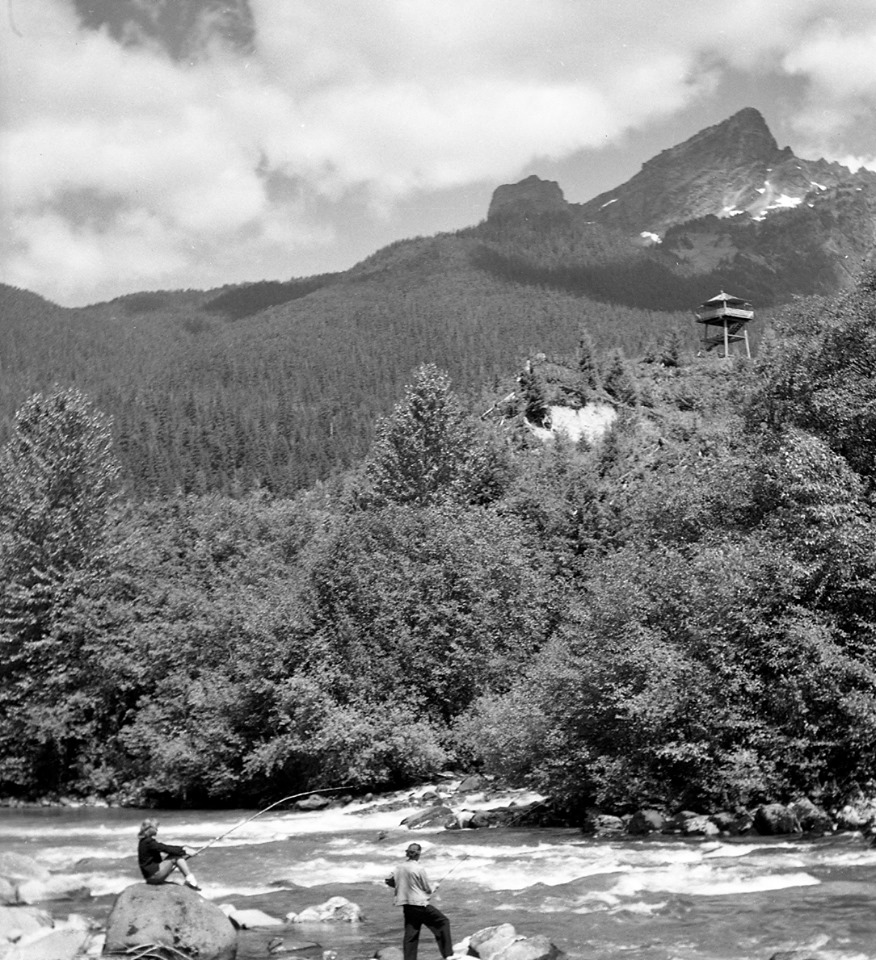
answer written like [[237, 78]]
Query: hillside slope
[[279, 383]]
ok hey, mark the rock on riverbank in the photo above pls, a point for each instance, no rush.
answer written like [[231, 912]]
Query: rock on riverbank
[[172, 915]]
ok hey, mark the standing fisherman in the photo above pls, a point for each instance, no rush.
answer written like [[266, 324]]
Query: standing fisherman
[[412, 892], [155, 867]]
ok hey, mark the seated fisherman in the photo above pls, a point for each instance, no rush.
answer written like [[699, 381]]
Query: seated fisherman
[[158, 860]]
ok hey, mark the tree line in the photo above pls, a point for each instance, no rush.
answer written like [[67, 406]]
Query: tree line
[[681, 612]]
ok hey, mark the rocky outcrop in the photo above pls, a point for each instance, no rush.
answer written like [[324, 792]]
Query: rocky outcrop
[[172, 915], [532, 197]]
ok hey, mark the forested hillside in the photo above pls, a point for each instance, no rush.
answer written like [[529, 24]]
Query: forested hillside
[[276, 386], [680, 613]]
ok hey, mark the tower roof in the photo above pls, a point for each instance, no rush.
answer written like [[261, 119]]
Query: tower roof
[[724, 298]]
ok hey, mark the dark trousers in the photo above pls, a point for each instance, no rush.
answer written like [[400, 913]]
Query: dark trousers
[[434, 919]]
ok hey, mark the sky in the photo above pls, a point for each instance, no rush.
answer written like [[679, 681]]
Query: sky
[[170, 144]]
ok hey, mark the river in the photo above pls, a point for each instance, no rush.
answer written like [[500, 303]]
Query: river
[[651, 899]]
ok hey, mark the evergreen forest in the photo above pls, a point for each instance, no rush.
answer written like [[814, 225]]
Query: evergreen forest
[[680, 612]]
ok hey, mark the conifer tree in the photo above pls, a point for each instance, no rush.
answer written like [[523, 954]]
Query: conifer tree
[[427, 449], [532, 390], [619, 380], [58, 478], [588, 367]]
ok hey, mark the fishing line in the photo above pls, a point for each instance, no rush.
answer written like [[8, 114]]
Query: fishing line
[[294, 796], [450, 872]]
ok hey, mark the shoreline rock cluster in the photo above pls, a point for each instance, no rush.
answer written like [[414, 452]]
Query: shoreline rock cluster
[[801, 816]]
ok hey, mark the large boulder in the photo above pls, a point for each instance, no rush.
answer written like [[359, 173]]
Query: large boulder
[[337, 908], [602, 824], [173, 915], [643, 822], [491, 941], [738, 824], [428, 817], [811, 817], [313, 802], [775, 818], [857, 814], [690, 824], [471, 784]]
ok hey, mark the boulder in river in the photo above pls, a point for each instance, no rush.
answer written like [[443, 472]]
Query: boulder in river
[[812, 818], [313, 802], [491, 941], [337, 908], [471, 784], [172, 915], [602, 824], [859, 814], [428, 817], [775, 818], [643, 822], [690, 824]]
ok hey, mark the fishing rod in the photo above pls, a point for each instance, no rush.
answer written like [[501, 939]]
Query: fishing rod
[[294, 796], [451, 871]]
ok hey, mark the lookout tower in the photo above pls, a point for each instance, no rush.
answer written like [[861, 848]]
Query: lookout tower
[[724, 320]]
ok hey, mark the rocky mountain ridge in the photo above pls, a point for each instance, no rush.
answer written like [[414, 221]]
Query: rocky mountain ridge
[[732, 169], [726, 201]]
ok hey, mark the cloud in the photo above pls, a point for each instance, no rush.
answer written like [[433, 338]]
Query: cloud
[[124, 168]]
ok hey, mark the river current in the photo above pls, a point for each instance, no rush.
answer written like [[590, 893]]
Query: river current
[[651, 899]]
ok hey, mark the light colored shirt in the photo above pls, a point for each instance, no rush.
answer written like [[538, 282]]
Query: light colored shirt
[[411, 884]]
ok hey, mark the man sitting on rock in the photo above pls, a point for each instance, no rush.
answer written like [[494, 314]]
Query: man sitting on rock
[[155, 867], [412, 892]]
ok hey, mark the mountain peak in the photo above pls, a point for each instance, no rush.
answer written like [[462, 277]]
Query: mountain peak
[[732, 168], [743, 138]]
